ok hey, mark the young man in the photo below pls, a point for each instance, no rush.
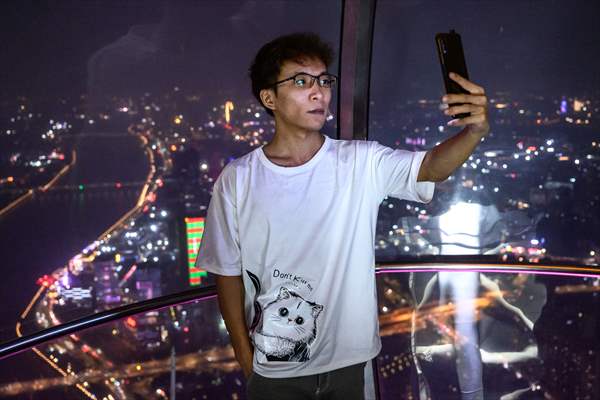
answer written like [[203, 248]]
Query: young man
[[290, 229]]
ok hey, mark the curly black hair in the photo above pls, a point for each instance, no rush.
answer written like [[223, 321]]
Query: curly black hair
[[293, 47]]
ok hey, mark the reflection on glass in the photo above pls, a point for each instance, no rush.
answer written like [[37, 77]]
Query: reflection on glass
[[471, 335], [459, 226], [465, 296], [461, 337]]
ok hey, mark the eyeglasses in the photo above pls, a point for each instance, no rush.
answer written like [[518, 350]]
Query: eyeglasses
[[306, 80]]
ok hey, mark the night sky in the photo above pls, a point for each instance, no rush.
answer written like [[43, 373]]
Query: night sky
[[146, 45], [545, 47], [78, 46], [45, 45]]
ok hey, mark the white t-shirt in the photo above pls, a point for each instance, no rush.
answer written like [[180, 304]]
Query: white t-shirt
[[303, 240]]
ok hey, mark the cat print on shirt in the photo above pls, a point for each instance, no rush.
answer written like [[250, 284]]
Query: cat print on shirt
[[284, 328]]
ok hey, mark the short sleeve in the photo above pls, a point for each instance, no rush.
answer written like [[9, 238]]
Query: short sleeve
[[219, 251], [395, 174]]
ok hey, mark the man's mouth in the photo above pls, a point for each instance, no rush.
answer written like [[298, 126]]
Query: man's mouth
[[317, 111]]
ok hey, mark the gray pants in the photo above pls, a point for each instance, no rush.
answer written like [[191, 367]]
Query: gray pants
[[340, 384]]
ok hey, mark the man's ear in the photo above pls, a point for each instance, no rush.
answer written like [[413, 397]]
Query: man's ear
[[267, 96]]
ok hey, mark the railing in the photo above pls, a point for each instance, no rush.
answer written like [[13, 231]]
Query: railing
[[439, 322], [28, 341]]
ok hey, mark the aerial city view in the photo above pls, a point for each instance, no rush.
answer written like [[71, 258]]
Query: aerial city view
[[104, 194]]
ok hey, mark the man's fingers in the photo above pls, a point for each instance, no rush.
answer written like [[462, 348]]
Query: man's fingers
[[465, 108], [473, 119], [467, 84], [477, 99]]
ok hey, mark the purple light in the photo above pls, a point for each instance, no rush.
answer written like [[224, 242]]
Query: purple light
[[65, 280], [419, 141], [563, 107], [500, 271]]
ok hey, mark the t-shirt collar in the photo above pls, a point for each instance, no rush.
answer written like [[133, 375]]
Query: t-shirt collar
[[300, 168]]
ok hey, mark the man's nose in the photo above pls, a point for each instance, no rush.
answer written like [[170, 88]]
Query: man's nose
[[316, 91]]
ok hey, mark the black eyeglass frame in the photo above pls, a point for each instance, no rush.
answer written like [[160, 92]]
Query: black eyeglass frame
[[313, 79]]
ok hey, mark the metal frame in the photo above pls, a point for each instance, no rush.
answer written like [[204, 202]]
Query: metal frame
[[358, 20]]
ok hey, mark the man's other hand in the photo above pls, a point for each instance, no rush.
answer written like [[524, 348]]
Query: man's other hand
[[245, 361]]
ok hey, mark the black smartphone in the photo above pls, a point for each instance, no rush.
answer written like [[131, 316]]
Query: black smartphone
[[452, 59]]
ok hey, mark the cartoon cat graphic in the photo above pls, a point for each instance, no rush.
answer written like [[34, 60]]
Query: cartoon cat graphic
[[285, 327]]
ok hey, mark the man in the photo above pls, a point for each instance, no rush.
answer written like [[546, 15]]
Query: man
[[290, 229]]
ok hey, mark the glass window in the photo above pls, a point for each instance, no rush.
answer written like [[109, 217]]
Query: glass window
[[528, 191], [464, 334], [447, 334], [115, 120], [184, 348]]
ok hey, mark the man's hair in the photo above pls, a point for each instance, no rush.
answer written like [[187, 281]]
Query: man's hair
[[293, 47]]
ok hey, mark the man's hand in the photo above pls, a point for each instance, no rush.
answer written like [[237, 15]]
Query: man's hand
[[476, 103], [245, 360], [441, 161], [230, 293]]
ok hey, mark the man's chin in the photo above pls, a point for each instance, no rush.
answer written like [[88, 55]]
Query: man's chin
[[316, 127]]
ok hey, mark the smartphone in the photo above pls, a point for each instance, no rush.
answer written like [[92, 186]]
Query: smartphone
[[452, 59]]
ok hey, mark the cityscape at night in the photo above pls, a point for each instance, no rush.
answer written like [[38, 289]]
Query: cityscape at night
[[105, 188]]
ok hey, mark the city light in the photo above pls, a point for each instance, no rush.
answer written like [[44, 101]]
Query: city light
[[228, 109], [194, 233]]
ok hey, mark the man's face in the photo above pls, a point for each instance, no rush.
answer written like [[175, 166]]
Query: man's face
[[293, 105]]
